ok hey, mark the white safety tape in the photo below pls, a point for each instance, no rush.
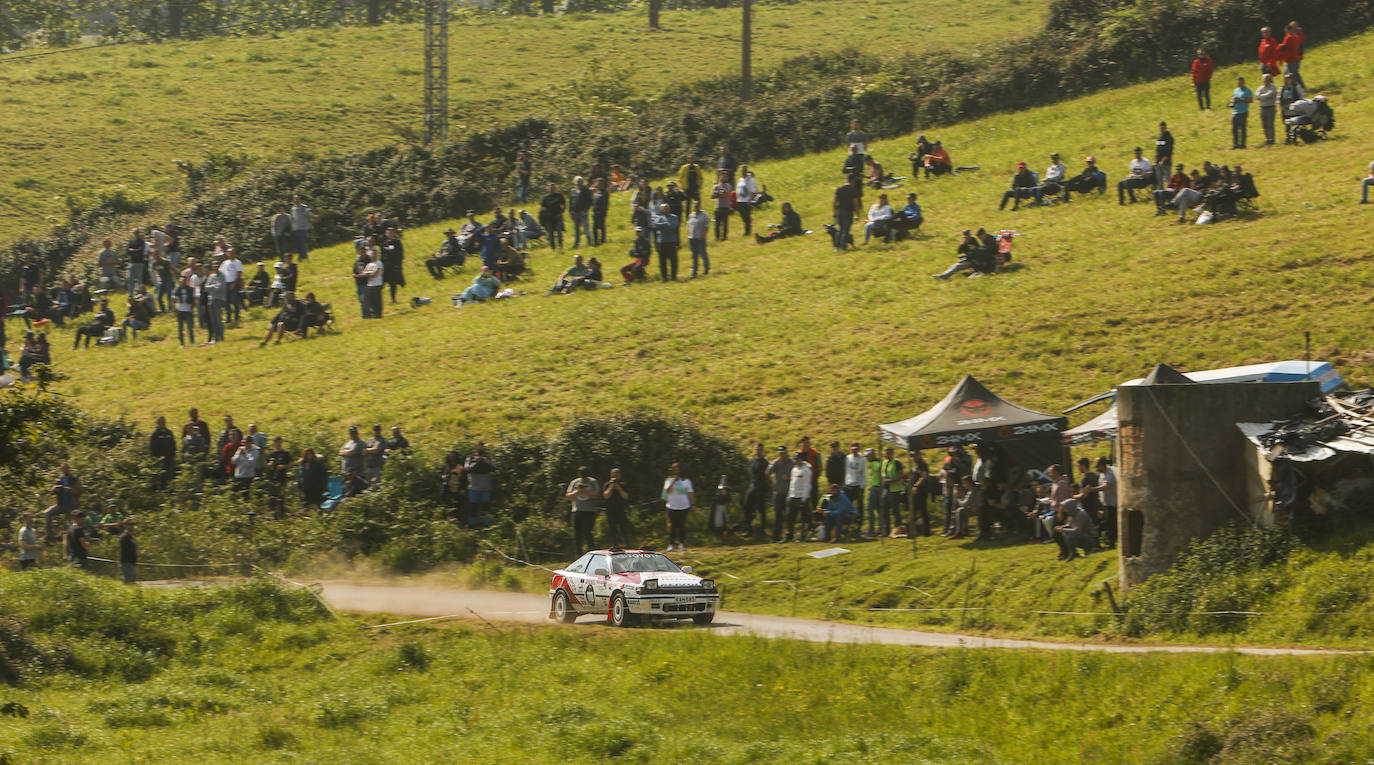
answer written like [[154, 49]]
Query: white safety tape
[[175, 565]]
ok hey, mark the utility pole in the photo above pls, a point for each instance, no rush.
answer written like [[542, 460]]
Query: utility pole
[[436, 71], [746, 66]]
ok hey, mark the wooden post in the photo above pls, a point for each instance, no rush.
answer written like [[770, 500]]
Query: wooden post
[[968, 586], [746, 71], [796, 585]]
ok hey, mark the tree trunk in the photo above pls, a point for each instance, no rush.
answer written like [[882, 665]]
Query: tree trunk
[[653, 13], [374, 12], [547, 7], [746, 66], [176, 13]]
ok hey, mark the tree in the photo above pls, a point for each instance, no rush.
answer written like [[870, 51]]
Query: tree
[[653, 13]]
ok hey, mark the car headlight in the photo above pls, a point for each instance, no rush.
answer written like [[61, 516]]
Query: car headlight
[[650, 584], [708, 584]]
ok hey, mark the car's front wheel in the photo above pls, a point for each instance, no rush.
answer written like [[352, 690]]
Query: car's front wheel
[[704, 618], [562, 608], [620, 612]]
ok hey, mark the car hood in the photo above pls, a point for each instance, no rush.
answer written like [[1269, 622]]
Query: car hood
[[665, 578]]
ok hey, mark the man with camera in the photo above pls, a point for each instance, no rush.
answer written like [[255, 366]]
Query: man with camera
[[584, 491]]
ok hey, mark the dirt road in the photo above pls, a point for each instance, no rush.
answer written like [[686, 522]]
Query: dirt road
[[421, 601]]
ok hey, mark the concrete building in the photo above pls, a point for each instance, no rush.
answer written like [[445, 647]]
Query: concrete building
[[1182, 461]]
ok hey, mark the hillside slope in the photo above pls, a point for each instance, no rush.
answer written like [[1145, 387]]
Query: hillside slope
[[92, 119], [791, 338]]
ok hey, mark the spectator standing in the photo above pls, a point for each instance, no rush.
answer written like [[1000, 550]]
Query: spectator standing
[[1240, 112], [798, 498], [479, 469], [523, 170], [726, 163], [232, 270], [245, 461], [579, 208], [1164, 155], [128, 553], [353, 452], [689, 178], [894, 490], [1105, 492], [302, 218], [29, 548], [1267, 96], [374, 275], [918, 481], [846, 206], [746, 188], [585, 493], [278, 466], [312, 477], [756, 495], [166, 281], [551, 209], [1202, 79], [136, 254], [214, 294], [1269, 55], [162, 445], [66, 493], [1290, 93], [1365, 184], [678, 497], [374, 456], [665, 226], [857, 137], [601, 205], [74, 543], [724, 194], [195, 437], [698, 225], [398, 441], [855, 475], [281, 231], [780, 473], [617, 509], [393, 261], [1290, 50], [835, 465]]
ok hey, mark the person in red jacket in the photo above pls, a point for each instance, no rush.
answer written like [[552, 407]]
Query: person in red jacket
[[1268, 52], [1202, 78], [1290, 50]]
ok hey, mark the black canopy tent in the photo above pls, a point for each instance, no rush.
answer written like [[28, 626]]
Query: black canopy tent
[[972, 414]]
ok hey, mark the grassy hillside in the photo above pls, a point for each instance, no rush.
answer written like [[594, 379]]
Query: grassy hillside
[[96, 118], [234, 684], [790, 338]]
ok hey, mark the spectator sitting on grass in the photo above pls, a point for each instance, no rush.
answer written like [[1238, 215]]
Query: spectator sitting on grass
[[573, 277], [258, 286], [918, 157], [1021, 187], [450, 253], [353, 484], [854, 161], [288, 319], [1090, 179], [313, 314], [639, 254], [1054, 181], [879, 215], [1141, 177], [909, 218], [104, 319], [512, 262], [877, 176], [1077, 532], [791, 225], [937, 161], [484, 287], [972, 257], [1165, 197], [836, 510]]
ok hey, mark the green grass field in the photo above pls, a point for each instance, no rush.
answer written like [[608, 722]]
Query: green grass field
[[238, 677], [76, 122], [790, 338]]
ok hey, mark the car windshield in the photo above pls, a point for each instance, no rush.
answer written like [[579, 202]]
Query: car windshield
[[641, 563]]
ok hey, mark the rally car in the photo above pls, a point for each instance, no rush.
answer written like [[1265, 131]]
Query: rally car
[[627, 585]]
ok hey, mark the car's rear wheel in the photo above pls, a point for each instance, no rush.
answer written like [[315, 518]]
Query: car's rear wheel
[[704, 619], [620, 612], [562, 608]]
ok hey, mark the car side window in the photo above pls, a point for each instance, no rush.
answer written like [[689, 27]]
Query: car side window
[[597, 562], [580, 566]]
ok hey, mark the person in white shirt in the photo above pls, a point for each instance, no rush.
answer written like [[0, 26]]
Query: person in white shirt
[[301, 217], [746, 188], [878, 216], [1142, 176], [679, 497], [855, 476], [372, 277], [698, 225], [232, 269], [245, 461], [1054, 181], [798, 496], [1364, 186]]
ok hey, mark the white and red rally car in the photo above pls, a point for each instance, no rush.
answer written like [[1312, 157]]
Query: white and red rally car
[[626, 585]]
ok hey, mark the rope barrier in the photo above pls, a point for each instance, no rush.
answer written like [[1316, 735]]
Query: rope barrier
[[174, 565]]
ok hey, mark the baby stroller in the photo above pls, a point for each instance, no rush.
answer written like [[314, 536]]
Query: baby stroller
[[1309, 120]]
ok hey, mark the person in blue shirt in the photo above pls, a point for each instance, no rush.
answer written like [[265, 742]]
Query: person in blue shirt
[[665, 226], [1241, 99], [838, 510]]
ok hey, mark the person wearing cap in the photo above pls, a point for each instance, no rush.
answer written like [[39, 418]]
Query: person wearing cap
[[1054, 181], [1141, 175], [1021, 187], [677, 201], [780, 473], [1078, 532], [257, 287], [352, 451], [1166, 196], [1241, 99], [665, 226], [639, 258], [450, 253], [374, 455], [1091, 178]]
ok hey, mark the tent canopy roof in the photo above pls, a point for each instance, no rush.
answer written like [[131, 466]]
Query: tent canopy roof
[[968, 414]]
